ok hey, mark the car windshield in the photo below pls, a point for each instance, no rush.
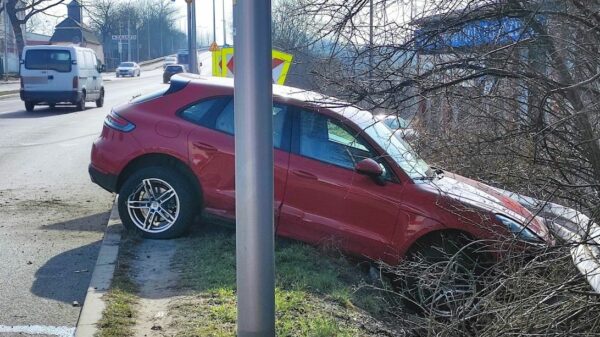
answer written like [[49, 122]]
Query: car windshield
[[47, 59], [396, 148], [126, 64]]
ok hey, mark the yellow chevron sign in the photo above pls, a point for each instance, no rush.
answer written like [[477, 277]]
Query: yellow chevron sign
[[223, 64]]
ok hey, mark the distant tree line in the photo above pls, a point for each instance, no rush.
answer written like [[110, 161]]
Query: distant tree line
[[154, 22]]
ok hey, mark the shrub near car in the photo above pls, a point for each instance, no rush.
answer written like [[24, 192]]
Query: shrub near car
[[340, 174]]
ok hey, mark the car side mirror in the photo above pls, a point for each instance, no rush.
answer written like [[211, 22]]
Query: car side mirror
[[369, 167], [101, 68]]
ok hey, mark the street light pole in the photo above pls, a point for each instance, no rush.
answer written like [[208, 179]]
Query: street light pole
[[214, 23], [253, 102], [224, 29], [370, 39], [192, 53]]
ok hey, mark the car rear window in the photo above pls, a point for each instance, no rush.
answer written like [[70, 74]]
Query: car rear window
[[58, 60], [174, 68]]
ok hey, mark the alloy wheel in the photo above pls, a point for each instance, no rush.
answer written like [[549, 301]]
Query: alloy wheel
[[154, 205]]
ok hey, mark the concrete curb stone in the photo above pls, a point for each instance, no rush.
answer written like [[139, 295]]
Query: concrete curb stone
[[102, 277]]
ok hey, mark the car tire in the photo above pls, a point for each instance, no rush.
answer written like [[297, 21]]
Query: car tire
[[118, 75], [450, 263], [100, 100], [80, 106], [139, 73], [29, 106], [142, 211]]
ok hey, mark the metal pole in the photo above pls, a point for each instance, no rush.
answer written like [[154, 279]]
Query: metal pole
[[214, 23], [149, 39], [5, 61], [253, 93], [224, 28], [193, 53], [370, 39], [189, 22], [128, 41]]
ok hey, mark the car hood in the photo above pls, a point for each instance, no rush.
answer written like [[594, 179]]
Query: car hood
[[125, 68], [482, 196]]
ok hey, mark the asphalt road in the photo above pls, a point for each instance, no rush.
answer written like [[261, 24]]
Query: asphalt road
[[52, 216]]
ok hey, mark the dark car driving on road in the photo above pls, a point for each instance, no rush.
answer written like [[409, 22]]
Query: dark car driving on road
[[171, 70]]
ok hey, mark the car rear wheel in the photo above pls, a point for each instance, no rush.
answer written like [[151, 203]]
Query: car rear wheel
[[444, 275], [29, 106], [157, 202]]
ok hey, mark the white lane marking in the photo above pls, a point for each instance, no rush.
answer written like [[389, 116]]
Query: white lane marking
[[59, 331]]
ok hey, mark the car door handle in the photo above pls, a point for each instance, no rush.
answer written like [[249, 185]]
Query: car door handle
[[50, 77], [304, 174], [204, 146]]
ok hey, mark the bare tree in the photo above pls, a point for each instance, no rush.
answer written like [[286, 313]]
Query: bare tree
[[503, 91], [20, 12]]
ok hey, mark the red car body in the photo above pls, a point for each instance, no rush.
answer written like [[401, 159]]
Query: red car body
[[314, 201]]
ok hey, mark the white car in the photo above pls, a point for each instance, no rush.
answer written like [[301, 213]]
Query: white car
[[53, 75], [401, 126], [169, 60], [128, 69]]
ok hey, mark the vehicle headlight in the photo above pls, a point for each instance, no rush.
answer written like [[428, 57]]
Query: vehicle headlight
[[519, 230]]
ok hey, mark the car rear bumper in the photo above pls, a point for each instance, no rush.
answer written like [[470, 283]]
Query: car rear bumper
[[70, 96], [105, 180]]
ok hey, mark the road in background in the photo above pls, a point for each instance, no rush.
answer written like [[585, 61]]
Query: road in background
[[53, 217]]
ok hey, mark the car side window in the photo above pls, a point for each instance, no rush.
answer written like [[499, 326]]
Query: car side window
[[323, 139], [326, 140], [198, 113], [225, 123]]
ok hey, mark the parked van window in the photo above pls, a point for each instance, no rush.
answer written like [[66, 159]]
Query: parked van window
[[59, 60]]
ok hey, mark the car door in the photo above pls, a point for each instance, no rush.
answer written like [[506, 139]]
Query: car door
[[326, 201], [318, 182], [211, 152]]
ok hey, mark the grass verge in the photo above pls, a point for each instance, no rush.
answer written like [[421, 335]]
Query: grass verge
[[316, 294], [118, 318]]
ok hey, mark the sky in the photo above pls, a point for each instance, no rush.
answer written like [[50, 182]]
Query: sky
[[204, 18]]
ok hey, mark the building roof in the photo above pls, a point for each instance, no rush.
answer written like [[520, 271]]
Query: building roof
[[69, 30]]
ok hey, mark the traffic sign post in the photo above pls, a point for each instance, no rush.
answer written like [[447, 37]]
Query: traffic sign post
[[253, 104]]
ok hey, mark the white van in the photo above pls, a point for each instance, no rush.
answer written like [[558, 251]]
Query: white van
[[52, 75]]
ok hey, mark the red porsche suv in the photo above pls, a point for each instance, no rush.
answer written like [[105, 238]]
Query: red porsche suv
[[340, 174]]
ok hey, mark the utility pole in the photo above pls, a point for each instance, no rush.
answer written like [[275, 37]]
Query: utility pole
[[192, 43], [224, 27], [149, 39], [370, 39], [5, 60], [253, 95], [128, 40], [214, 23]]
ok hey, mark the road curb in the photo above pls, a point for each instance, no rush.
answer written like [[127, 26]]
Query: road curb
[[94, 305]]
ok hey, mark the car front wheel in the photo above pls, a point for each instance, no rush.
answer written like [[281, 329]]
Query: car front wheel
[[157, 202], [444, 275]]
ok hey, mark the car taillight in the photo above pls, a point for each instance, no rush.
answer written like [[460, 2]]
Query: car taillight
[[114, 121], [75, 82]]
